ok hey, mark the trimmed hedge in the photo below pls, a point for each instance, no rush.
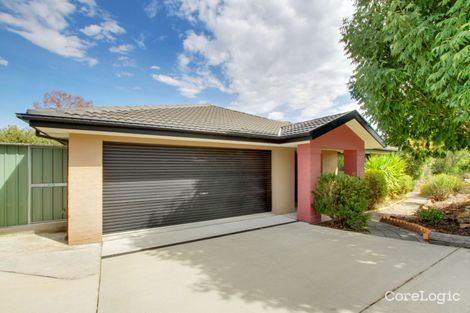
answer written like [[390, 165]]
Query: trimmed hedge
[[344, 199]]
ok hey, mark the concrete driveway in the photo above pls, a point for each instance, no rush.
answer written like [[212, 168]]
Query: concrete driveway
[[290, 268]]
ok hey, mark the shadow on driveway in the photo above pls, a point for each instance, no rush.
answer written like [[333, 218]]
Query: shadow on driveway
[[290, 268]]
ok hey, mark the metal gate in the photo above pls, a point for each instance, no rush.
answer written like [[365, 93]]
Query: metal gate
[[149, 186], [32, 183]]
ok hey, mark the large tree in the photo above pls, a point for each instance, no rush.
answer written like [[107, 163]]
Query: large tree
[[60, 99], [412, 70]]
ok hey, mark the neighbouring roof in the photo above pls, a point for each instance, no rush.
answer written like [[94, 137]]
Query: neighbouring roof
[[196, 119]]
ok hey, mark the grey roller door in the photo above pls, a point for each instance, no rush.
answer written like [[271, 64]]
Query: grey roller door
[[148, 186]]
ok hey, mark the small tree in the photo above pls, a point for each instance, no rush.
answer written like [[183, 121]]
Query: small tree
[[60, 99], [14, 134]]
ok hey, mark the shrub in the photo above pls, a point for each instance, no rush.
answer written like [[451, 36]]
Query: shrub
[[439, 187], [452, 163], [424, 190], [393, 168], [344, 199], [406, 184], [430, 215], [14, 134], [414, 165], [377, 187]]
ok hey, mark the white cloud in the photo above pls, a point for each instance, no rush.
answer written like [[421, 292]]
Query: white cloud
[[3, 62], [191, 86], [275, 55], [151, 8], [105, 30], [88, 7], [44, 23], [155, 67], [123, 74], [276, 115], [122, 49], [91, 3], [124, 61], [140, 41]]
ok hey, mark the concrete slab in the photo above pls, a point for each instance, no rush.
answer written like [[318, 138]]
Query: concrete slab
[[25, 294], [450, 276], [41, 273], [163, 236], [48, 255], [290, 268]]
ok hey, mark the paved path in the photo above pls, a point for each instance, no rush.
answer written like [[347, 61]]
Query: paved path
[[405, 207], [377, 228]]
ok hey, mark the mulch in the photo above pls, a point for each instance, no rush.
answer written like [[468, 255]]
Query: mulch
[[449, 224], [332, 224]]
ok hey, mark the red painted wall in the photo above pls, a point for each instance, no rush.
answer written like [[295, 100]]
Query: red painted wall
[[309, 165]]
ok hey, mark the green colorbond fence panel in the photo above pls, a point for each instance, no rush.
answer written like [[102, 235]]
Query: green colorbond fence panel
[[48, 166], [3, 212], [13, 185]]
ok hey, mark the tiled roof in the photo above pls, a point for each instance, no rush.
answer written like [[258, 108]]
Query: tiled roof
[[308, 126], [203, 118], [198, 118]]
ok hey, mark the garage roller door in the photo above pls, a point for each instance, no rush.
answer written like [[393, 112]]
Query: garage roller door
[[150, 186]]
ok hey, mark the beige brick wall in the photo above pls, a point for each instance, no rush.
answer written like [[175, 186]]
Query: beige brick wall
[[283, 180], [86, 179], [329, 161], [85, 189]]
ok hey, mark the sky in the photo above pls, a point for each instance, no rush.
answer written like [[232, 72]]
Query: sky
[[279, 59]]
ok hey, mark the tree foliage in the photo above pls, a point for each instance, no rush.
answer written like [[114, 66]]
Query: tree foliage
[[412, 70], [61, 99], [13, 134]]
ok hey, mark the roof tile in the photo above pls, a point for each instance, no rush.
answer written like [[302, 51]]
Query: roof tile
[[204, 118]]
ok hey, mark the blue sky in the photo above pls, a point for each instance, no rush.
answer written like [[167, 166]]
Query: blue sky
[[280, 59]]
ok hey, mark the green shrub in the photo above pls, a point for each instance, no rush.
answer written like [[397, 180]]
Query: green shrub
[[452, 163], [424, 190], [393, 168], [377, 187], [406, 184], [414, 165], [344, 199], [439, 187], [430, 215], [14, 134]]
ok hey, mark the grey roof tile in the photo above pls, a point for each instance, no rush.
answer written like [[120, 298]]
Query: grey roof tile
[[308, 126], [204, 118], [199, 118]]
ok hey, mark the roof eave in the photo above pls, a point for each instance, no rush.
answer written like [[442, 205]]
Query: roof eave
[[93, 125], [36, 121], [317, 132]]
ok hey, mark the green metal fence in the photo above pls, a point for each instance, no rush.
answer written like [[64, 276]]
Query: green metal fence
[[33, 184]]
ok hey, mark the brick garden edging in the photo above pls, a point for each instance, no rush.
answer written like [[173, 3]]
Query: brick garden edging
[[407, 225], [431, 236]]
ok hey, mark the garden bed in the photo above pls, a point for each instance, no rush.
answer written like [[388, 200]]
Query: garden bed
[[447, 226], [452, 208], [333, 224]]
